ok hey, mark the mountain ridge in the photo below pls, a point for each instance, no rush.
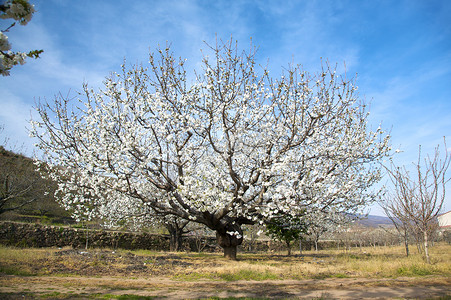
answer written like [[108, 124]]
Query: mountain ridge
[[374, 221]]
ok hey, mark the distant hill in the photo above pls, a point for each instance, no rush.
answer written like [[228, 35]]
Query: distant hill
[[375, 221], [23, 192]]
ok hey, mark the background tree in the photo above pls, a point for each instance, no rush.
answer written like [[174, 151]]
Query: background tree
[[230, 147], [417, 198], [176, 228], [21, 11], [134, 214], [325, 221], [399, 217], [252, 234], [287, 229]]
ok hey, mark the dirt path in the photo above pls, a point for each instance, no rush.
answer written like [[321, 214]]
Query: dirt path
[[164, 288]]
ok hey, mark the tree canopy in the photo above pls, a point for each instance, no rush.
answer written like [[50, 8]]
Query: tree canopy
[[224, 146]]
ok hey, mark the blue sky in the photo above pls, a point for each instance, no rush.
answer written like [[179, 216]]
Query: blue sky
[[400, 51]]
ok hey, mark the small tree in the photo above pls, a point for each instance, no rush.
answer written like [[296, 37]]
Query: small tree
[[417, 197], [395, 212], [22, 11], [176, 227], [235, 147], [286, 228]]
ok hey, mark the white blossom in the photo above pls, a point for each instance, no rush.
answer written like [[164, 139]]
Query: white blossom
[[235, 147], [22, 11]]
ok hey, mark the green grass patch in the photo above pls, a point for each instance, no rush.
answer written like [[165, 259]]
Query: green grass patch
[[339, 275], [248, 275], [53, 295], [415, 270], [355, 256], [228, 276], [199, 255], [142, 252], [9, 270], [193, 276]]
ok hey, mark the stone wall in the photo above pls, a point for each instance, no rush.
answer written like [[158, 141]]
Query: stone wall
[[36, 235]]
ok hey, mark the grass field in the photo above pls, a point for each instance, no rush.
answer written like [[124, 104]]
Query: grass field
[[108, 274]]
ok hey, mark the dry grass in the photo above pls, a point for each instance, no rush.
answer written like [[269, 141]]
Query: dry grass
[[120, 274], [385, 262], [367, 262], [22, 261], [392, 262]]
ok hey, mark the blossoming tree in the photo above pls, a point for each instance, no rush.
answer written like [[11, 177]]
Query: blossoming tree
[[232, 146], [21, 11]]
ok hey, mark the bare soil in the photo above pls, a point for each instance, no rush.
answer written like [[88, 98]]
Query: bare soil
[[75, 274], [164, 288]]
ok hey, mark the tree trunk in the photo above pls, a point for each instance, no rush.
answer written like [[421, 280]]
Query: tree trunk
[[230, 252], [288, 248], [175, 237], [406, 243], [426, 247], [418, 241], [419, 248], [87, 236], [175, 241], [229, 242]]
